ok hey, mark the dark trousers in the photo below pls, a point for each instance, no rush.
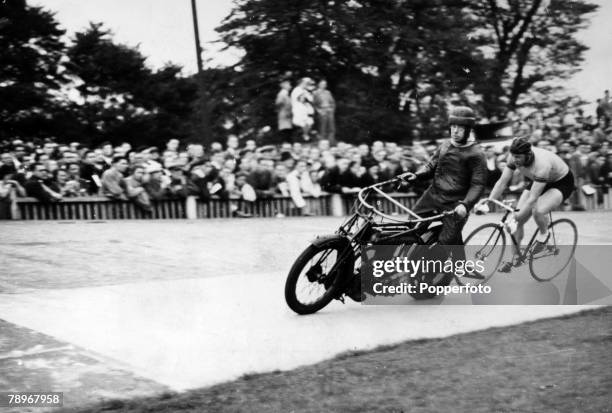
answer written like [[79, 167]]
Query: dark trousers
[[452, 225]]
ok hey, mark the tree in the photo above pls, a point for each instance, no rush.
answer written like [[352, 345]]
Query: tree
[[533, 44], [391, 64], [31, 73], [121, 98]]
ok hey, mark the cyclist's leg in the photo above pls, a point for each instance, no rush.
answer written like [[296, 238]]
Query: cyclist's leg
[[520, 230], [548, 201]]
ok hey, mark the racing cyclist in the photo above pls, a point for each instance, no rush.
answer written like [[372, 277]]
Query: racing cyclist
[[550, 182]]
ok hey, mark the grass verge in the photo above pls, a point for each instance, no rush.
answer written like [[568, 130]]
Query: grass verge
[[555, 365]]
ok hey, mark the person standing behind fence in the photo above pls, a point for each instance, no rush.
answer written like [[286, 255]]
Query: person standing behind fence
[[325, 107], [283, 110], [38, 186], [10, 189], [301, 107], [136, 191], [299, 185], [113, 181]]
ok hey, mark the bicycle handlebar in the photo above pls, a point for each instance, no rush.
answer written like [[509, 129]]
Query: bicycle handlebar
[[507, 205]]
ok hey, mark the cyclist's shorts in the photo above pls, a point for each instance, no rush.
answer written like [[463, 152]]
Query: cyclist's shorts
[[566, 185]]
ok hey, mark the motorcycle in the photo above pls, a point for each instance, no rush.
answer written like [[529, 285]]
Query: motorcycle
[[329, 268]]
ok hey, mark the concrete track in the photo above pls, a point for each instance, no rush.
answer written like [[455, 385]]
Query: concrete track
[[189, 304]]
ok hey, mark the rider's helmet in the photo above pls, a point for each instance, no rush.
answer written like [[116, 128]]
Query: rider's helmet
[[522, 146], [464, 116]]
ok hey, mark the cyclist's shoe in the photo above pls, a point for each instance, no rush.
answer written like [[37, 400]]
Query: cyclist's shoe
[[506, 266], [540, 243], [474, 276]]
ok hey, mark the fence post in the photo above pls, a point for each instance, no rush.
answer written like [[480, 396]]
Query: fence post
[[191, 207], [337, 205]]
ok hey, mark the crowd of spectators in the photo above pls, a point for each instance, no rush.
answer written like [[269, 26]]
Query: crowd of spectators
[[51, 171]]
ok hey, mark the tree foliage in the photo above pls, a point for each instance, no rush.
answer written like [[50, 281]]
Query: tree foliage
[[390, 63], [534, 46], [393, 66], [123, 99], [31, 73]]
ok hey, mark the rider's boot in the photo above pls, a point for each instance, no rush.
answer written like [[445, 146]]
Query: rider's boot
[[354, 289]]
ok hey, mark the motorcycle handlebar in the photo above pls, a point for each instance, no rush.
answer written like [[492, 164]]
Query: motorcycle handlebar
[[360, 196]]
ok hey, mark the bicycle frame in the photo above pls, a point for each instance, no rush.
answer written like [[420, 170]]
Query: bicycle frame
[[507, 205]]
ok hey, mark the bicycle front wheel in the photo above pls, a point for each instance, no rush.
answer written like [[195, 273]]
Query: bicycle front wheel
[[486, 244], [559, 251]]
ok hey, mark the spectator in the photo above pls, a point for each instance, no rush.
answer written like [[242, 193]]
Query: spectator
[[177, 187], [113, 181], [10, 189], [493, 172], [232, 145], [606, 106], [91, 171], [578, 164], [301, 107], [339, 179], [599, 133], [7, 164], [173, 145], [284, 114], [108, 154], [605, 173], [262, 178], [157, 184], [280, 180], [325, 107], [136, 191], [67, 187], [299, 184], [242, 189], [38, 186], [199, 180]]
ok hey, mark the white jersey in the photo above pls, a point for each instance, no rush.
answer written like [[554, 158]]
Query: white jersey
[[546, 167]]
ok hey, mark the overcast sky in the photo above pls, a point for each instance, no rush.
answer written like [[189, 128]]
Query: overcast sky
[[163, 29]]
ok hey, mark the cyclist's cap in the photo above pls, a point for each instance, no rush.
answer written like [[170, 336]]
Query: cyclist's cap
[[462, 115], [520, 146]]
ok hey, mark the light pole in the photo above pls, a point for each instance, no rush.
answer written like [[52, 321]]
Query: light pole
[[196, 33]]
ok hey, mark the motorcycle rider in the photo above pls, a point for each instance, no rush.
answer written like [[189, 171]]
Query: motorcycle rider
[[459, 172]]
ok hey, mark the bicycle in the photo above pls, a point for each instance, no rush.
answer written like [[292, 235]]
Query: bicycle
[[489, 239], [329, 268]]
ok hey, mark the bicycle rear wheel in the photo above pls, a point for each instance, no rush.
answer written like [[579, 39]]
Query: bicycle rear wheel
[[558, 253], [487, 243]]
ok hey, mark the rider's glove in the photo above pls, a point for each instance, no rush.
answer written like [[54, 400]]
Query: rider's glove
[[512, 225], [461, 211], [482, 207], [408, 176]]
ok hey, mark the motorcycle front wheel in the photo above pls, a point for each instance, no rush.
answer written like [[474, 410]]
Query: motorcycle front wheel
[[313, 279]]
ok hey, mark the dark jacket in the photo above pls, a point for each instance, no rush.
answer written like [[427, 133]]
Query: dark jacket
[[459, 174], [87, 172], [262, 182], [34, 188], [333, 180]]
